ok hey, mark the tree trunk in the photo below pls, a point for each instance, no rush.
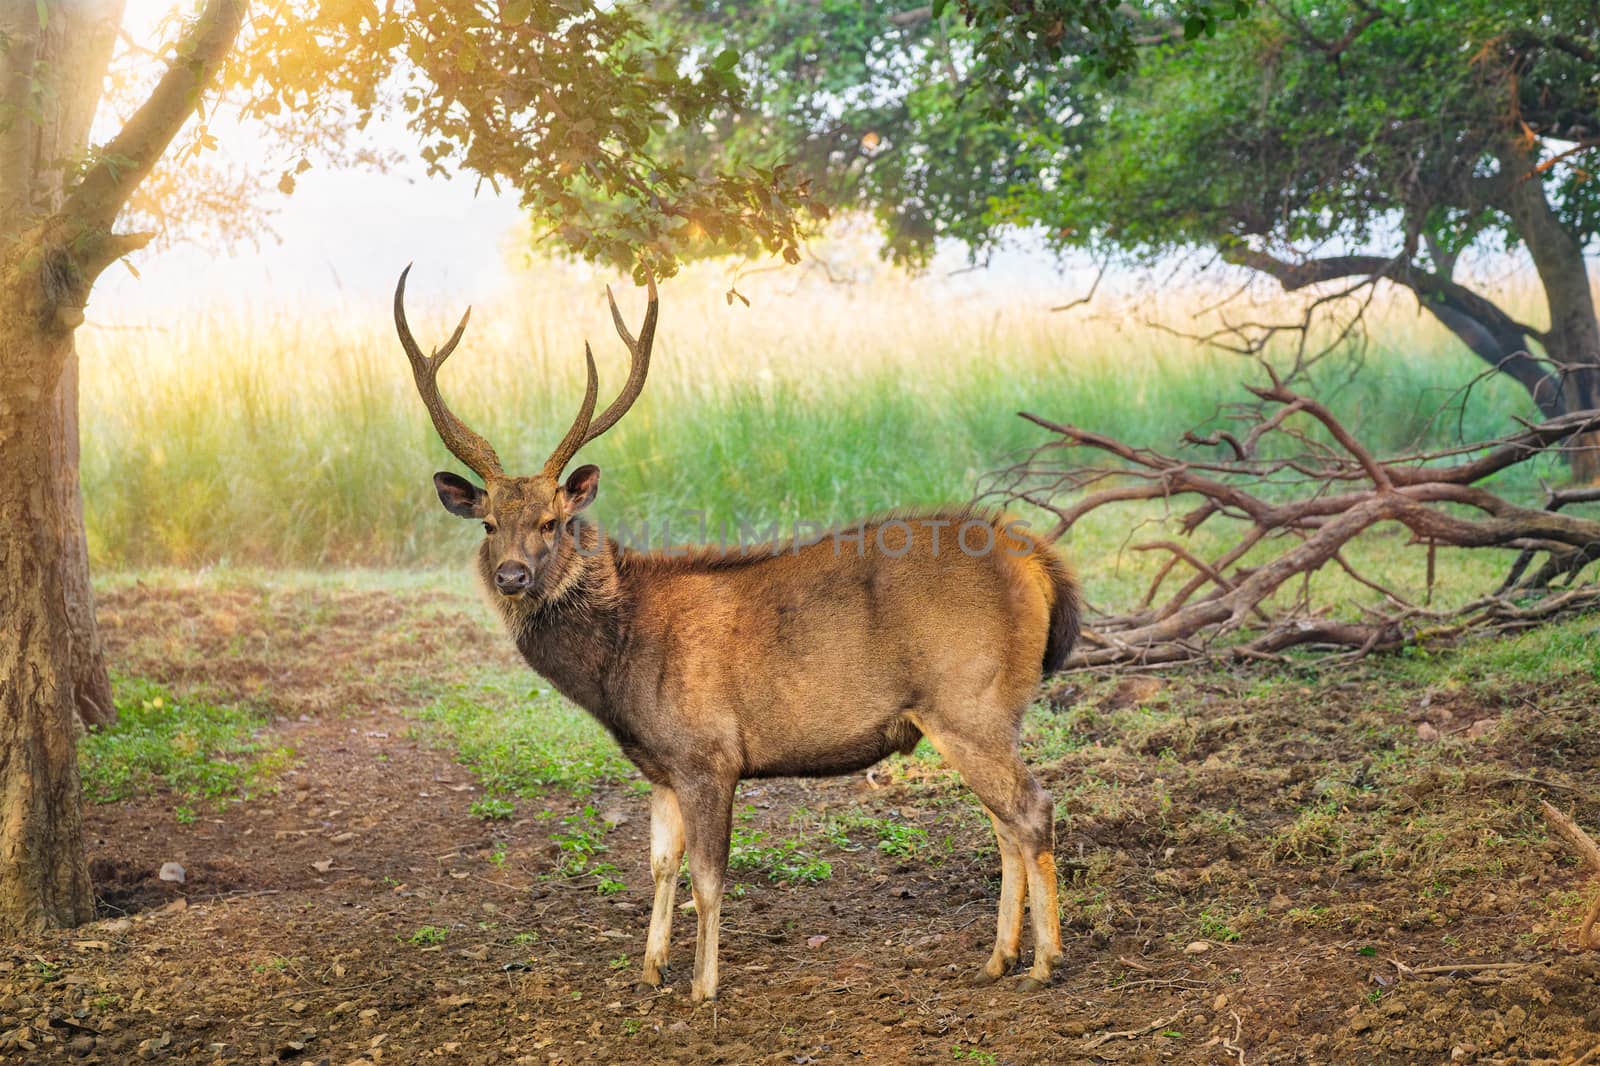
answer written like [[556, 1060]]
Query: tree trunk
[[91, 684], [1573, 340], [70, 47], [44, 878]]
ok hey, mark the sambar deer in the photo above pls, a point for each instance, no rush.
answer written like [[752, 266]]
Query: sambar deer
[[801, 658]]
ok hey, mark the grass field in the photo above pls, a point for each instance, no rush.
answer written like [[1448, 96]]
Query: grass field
[[270, 440]]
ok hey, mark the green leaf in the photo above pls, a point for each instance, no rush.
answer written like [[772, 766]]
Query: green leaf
[[726, 59], [516, 12], [938, 7]]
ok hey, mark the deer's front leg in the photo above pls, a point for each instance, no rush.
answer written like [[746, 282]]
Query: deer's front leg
[[707, 808], [666, 853]]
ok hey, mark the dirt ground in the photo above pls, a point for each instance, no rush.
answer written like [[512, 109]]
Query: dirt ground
[[1255, 872]]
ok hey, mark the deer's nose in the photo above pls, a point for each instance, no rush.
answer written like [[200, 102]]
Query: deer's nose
[[512, 577]]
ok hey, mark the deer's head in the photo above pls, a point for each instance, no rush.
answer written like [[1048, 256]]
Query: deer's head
[[533, 547]]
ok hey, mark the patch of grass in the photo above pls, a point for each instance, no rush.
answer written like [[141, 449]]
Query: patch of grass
[[426, 936], [492, 809], [1569, 648], [790, 860], [579, 843], [1318, 833], [521, 740], [891, 835], [200, 750], [1213, 926]]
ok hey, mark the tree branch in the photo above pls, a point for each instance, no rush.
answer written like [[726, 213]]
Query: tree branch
[[1490, 333], [1318, 501], [127, 159]]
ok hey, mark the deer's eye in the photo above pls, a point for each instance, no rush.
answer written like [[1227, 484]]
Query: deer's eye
[[548, 527], [488, 527]]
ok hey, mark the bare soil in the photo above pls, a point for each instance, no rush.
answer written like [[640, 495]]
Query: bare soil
[[1256, 873]]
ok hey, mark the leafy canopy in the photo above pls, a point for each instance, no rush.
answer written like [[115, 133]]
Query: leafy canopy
[[598, 114], [1183, 125]]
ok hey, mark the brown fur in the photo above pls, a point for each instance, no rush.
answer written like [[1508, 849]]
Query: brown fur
[[798, 659]]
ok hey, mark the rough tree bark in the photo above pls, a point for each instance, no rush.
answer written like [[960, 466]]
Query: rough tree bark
[[42, 137], [1573, 339], [58, 236], [44, 880]]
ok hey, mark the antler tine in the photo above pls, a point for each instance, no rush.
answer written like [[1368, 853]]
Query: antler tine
[[466, 445], [575, 433], [639, 350]]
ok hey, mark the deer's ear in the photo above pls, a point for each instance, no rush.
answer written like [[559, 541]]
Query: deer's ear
[[459, 496], [581, 487]]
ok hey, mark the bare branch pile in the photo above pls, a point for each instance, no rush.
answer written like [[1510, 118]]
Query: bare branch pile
[[1300, 482]]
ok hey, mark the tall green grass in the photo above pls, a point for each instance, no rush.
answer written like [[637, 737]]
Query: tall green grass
[[272, 439]]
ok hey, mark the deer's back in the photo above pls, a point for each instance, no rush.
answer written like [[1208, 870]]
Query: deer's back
[[831, 653]]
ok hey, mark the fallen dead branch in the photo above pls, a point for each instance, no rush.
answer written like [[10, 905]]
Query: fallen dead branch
[[1589, 852], [1302, 486], [1130, 1034], [1461, 967]]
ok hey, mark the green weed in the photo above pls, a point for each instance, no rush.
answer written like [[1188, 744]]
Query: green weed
[[787, 860], [579, 843], [520, 741], [492, 809], [200, 750]]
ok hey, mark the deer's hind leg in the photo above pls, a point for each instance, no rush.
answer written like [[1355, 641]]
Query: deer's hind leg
[[1023, 812], [666, 853], [1008, 921]]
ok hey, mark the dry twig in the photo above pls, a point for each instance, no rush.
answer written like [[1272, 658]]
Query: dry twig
[[1130, 1034], [1589, 852]]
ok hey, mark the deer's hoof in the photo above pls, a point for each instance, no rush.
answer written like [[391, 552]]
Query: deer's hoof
[[1031, 984]]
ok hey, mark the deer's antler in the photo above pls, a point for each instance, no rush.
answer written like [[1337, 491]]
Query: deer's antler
[[463, 443], [582, 430]]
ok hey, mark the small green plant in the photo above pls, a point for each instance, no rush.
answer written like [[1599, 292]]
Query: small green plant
[[492, 809], [426, 936], [578, 843], [200, 750], [632, 1027], [977, 1055], [525, 938], [899, 840], [619, 963], [497, 855], [784, 861], [1215, 927]]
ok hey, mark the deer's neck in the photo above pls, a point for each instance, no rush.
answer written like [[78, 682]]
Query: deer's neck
[[575, 642]]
